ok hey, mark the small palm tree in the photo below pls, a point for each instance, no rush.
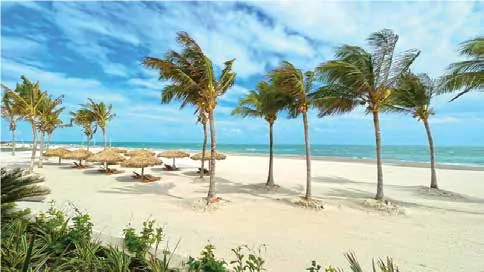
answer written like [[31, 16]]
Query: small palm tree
[[203, 119], [48, 109], [468, 75], [16, 186], [87, 120], [357, 77], [28, 97], [265, 102], [297, 85], [102, 115], [413, 95], [193, 79], [11, 114]]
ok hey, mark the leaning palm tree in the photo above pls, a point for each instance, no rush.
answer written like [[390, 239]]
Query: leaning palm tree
[[192, 78], [11, 114], [102, 114], [28, 97], [47, 109], [357, 77], [468, 75], [265, 102], [87, 120], [413, 95], [298, 85]]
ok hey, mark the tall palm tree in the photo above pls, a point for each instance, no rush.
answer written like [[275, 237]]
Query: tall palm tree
[[298, 85], [265, 102], [468, 75], [413, 95], [46, 112], [11, 114], [102, 115], [192, 78], [27, 97], [357, 77], [86, 119]]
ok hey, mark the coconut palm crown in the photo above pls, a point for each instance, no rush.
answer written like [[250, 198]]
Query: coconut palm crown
[[102, 114], [357, 77], [11, 114]]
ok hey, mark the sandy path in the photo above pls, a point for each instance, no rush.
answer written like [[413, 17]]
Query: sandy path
[[436, 233]]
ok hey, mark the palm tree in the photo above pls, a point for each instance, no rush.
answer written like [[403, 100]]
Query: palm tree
[[102, 115], [85, 119], [203, 119], [27, 97], [265, 102], [298, 85], [468, 75], [413, 95], [46, 112], [11, 114], [357, 77], [192, 77]]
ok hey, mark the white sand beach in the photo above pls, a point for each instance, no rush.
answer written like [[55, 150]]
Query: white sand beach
[[436, 232]]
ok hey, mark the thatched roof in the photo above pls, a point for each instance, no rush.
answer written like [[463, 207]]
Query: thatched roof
[[56, 152], [118, 150], [140, 152], [173, 154], [141, 161], [218, 156], [108, 155], [79, 154]]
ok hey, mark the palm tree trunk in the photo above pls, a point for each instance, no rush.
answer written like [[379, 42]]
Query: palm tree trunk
[[433, 174], [105, 135], [34, 146], [270, 177], [41, 155], [308, 156], [204, 148], [88, 142], [13, 142], [379, 186], [211, 188], [50, 141]]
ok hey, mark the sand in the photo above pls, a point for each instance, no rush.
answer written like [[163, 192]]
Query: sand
[[433, 230]]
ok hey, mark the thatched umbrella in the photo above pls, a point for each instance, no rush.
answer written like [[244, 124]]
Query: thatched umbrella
[[79, 154], [173, 154], [141, 162], [118, 150], [107, 156], [57, 152], [140, 152], [208, 156]]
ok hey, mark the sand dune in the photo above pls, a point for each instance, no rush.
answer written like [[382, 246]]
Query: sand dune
[[438, 231]]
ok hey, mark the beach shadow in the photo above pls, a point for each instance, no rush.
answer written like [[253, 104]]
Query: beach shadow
[[442, 195], [138, 188], [335, 180], [192, 173]]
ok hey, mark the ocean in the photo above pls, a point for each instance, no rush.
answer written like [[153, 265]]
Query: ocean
[[465, 155]]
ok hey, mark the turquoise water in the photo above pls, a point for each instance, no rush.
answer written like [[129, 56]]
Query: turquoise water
[[447, 154]]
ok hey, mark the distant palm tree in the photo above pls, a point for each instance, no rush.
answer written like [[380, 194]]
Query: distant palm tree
[[86, 119], [27, 97], [11, 114], [192, 76], [203, 119], [47, 111], [265, 102], [102, 115], [357, 77], [298, 85], [468, 75], [413, 95]]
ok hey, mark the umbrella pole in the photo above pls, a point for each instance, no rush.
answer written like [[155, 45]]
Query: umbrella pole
[[60, 160], [174, 164], [142, 173], [80, 162]]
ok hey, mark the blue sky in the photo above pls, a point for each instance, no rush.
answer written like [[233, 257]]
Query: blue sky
[[94, 49]]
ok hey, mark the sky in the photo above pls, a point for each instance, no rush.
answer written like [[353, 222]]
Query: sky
[[95, 49]]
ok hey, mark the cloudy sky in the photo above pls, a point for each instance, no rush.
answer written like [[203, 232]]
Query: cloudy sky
[[94, 49]]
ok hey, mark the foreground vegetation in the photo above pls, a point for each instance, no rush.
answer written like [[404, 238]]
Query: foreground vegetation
[[52, 241]]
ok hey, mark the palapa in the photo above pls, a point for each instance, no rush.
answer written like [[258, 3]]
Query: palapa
[[57, 152], [141, 162], [107, 156], [208, 156], [173, 154], [140, 152], [79, 154], [118, 150]]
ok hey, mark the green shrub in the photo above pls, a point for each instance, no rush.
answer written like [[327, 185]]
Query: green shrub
[[207, 262], [140, 244]]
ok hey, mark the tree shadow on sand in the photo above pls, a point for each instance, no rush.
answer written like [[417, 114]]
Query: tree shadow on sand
[[138, 188]]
